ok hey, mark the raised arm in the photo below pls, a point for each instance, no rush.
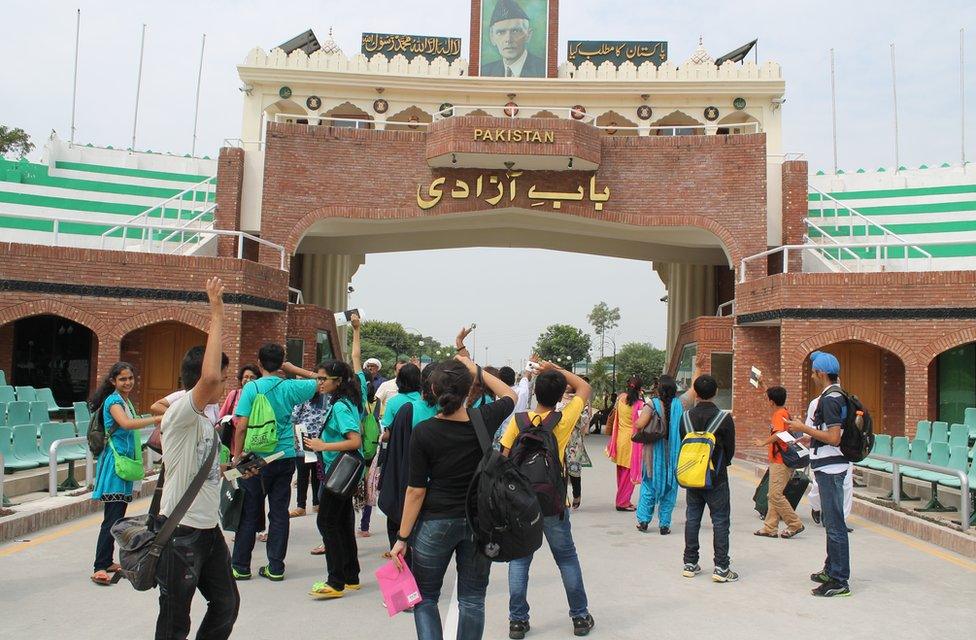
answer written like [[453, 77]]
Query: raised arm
[[208, 385], [298, 372], [582, 388], [493, 384], [123, 420], [357, 351]]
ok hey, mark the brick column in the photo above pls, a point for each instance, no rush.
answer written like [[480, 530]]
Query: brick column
[[795, 207], [552, 40], [916, 397], [759, 347], [230, 183], [474, 53]]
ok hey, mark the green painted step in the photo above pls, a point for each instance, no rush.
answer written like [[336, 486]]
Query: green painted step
[[897, 193], [894, 253], [126, 171], [77, 228], [74, 204], [903, 209], [900, 229]]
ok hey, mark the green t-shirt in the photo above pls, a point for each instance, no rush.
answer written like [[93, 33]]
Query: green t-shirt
[[343, 418], [423, 411], [283, 396], [394, 404]]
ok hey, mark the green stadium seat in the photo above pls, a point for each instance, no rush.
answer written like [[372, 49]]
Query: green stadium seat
[[3, 378], [10, 461], [18, 413], [45, 395], [7, 394], [924, 430], [958, 459], [958, 436], [26, 394], [940, 432], [39, 413], [3, 414], [81, 427], [882, 446], [71, 451], [919, 453], [51, 431], [25, 445], [899, 447], [969, 418], [939, 458], [81, 411]]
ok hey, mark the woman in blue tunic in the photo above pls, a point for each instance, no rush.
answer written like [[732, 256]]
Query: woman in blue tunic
[[659, 484], [121, 421]]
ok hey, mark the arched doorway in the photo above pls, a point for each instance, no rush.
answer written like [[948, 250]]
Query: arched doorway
[[54, 352], [156, 352], [875, 375], [952, 377]]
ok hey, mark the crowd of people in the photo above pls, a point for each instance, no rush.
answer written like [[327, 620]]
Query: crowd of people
[[421, 460]]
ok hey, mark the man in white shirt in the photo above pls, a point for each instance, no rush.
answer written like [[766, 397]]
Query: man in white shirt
[[389, 387], [196, 557], [523, 393]]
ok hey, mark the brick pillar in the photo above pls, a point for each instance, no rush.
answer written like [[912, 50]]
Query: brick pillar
[[230, 182], [795, 207], [916, 397], [474, 53], [755, 347], [552, 40]]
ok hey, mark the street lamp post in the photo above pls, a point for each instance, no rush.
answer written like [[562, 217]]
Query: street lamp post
[[614, 375]]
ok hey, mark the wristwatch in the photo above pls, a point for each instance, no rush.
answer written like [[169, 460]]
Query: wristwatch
[[402, 538]]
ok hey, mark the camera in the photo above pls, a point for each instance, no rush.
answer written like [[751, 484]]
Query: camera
[[350, 288]]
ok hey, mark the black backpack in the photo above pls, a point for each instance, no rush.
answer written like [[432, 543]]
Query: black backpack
[[96, 431], [502, 508], [857, 435], [536, 454]]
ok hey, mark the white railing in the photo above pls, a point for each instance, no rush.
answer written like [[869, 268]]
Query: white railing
[[158, 211], [240, 143], [511, 113], [299, 298], [864, 266], [730, 306], [855, 219], [52, 469], [124, 228]]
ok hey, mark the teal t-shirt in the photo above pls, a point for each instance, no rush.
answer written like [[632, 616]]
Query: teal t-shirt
[[423, 411], [483, 400], [343, 418], [363, 386], [283, 396], [394, 404]]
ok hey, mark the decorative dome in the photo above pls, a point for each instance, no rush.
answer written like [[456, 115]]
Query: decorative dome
[[330, 46], [699, 56]]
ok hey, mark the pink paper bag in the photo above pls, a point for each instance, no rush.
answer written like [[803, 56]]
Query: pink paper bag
[[398, 587]]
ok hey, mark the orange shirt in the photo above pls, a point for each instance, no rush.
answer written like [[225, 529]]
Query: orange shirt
[[778, 423]]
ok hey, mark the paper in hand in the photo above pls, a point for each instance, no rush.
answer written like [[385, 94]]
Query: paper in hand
[[345, 317]]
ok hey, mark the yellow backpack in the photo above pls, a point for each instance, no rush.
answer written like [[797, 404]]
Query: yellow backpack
[[695, 468]]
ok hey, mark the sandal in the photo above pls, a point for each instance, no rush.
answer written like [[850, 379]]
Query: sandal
[[576, 503], [114, 568], [318, 551], [102, 578], [762, 533], [627, 508], [790, 534], [298, 512], [263, 537]]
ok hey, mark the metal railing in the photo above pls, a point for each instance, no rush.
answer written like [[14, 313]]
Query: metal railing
[[511, 113], [299, 298], [2, 480], [203, 187], [52, 480], [720, 310], [240, 143], [819, 248], [896, 482], [241, 236]]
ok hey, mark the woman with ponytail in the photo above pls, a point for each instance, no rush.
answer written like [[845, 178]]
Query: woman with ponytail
[[660, 482], [625, 453], [336, 517], [444, 454]]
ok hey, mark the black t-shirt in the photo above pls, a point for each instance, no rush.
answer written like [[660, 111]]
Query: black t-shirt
[[444, 455]]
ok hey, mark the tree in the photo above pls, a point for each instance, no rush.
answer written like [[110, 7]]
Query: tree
[[640, 359], [387, 341], [14, 140], [562, 340], [602, 318]]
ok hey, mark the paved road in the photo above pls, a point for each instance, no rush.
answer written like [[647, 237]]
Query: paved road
[[903, 588]]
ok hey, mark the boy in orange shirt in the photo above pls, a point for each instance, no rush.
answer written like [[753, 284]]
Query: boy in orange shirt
[[779, 474]]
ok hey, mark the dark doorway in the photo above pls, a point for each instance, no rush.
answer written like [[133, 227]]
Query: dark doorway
[[54, 352]]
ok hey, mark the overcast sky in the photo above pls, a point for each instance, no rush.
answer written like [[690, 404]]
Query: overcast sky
[[35, 84]]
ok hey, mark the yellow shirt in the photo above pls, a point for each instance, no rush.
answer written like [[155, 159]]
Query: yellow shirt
[[571, 414]]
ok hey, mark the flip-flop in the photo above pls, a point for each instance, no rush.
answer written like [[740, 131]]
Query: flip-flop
[[101, 578], [628, 508], [318, 551], [114, 568], [790, 534], [762, 533], [577, 502]]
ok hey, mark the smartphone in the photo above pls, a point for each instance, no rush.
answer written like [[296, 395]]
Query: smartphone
[[474, 325], [531, 365]]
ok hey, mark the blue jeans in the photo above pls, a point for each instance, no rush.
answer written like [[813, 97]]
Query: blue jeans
[[273, 483], [717, 499], [651, 496], [559, 535], [435, 541], [838, 562]]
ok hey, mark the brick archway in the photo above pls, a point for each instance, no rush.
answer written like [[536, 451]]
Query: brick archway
[[47, 306], [164, 314], [856, 333], [950, 341]]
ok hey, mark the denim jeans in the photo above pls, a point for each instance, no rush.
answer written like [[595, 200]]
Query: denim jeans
[[838, 562], [273, 483], [559, 535], [717, 499], [336, 520], [435, 541], [196, 559], [105, 547]]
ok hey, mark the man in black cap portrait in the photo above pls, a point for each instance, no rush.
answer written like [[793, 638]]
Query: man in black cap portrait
[[510, 32]]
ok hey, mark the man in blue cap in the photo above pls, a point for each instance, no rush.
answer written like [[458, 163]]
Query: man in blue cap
[[829, 468], [510, 31]]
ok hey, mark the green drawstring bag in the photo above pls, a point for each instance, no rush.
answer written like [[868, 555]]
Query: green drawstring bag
[[127, 468], [262, 426]]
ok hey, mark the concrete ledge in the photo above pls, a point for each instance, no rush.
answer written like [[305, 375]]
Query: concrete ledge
[[35, 515]]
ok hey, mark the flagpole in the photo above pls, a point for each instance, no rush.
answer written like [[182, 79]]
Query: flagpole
[[196, 108], [135, 116], [894, 98], [962, 96], [74, 89], [833, 108]]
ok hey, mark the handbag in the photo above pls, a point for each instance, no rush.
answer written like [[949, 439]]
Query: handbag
[[141, 538], [654, 430], [344, 474], [127, 468], [231, 505]]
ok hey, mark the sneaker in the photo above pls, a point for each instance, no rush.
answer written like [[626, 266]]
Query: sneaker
[[832, 589], [821, 577], [517, 629], [265, 572], [322, 591], [665, 531], [815, 515], [724, 575], [240, 575], [642, 526], [691, 570], [582, 625]]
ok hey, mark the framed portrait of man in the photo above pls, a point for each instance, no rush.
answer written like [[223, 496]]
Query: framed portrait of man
[[513, 38]]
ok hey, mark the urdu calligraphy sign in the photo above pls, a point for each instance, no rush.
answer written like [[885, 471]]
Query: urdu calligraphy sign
[[495, 189], [617, 52], [430, 47]]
